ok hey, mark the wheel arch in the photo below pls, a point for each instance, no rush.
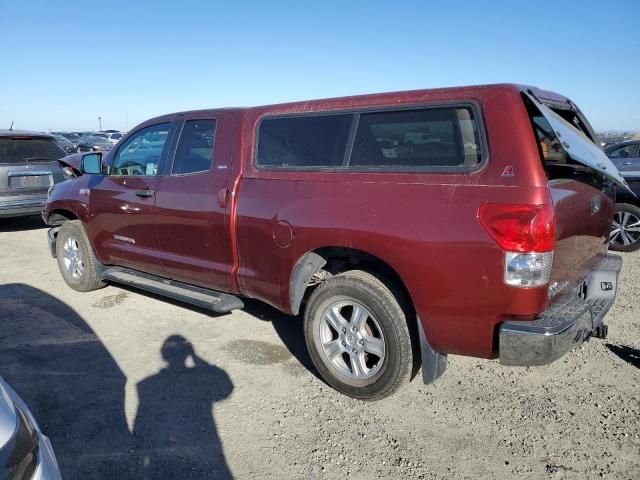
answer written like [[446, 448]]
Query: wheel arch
[[59, 216], [334, 260]]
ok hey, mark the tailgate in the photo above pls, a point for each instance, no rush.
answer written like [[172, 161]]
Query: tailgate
[[24, 179], [582, 184], [583, 221]]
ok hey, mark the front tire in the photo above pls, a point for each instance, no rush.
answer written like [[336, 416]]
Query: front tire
[[625, 230], [75, 258], [358, 336]]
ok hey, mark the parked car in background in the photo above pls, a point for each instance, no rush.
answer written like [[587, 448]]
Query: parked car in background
[[625, 231], [25, 452], [28, 167], [625, 155], [72, 137], [114, 137], [94, 143], [65, 144], [485, 238]]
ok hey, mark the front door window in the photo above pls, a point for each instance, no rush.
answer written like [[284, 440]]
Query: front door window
[[140, 155]]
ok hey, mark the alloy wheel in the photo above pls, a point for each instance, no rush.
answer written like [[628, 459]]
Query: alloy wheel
[[352, 340], [625, 229], [72, 257]]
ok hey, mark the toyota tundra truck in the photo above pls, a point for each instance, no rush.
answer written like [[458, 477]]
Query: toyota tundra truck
[[399, 227]]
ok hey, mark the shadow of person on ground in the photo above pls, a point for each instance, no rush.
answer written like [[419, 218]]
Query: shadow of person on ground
[[20, 224], [628, 354], [51, 356], [174, 429]]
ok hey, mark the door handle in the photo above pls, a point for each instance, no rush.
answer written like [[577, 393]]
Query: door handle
[[223, 197], [144, 193]]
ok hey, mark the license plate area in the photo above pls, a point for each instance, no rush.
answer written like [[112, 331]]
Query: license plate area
[[19, 182]]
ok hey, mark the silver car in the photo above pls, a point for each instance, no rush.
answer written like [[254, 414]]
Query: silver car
[[28, 167], [25, 453]]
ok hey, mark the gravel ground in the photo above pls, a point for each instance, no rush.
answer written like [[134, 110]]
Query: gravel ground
[[105, 374]]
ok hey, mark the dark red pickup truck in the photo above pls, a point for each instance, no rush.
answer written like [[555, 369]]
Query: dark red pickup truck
[[405, 226]]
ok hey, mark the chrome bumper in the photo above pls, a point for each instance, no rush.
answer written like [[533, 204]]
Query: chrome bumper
[[566, 324], [22, 206]]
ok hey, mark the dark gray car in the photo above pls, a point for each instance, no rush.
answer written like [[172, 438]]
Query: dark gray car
[[625, 231], [28, 167], [625, 156], [95, 143]]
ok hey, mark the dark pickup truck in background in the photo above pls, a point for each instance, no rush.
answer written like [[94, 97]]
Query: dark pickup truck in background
[[404, 226]]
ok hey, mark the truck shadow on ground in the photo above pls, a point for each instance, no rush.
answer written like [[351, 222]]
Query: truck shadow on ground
[[289, 329], [75, 388], [21, 224], [628, 354]]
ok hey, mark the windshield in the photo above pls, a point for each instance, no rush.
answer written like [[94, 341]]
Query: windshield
[[558, 138], [21, 150]]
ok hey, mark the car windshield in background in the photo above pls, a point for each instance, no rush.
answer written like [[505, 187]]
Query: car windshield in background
[[29, 149], [97, 139], [61, 139]]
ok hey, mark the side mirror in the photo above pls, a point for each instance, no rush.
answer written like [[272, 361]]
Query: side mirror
[[91, 163]]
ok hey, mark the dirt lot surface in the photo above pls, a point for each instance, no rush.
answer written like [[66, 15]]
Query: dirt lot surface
[[130, 386]]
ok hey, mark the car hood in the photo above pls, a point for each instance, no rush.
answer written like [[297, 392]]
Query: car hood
[[8, 415], [73, 161]]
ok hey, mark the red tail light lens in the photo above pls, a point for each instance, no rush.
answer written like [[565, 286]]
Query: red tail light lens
[[520, 228]]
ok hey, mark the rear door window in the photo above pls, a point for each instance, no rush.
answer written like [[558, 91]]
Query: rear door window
[[417, 139], [27, 149], [195, 148]]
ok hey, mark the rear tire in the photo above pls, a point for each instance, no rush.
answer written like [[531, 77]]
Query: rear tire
[[358, 337], [625, 230], [75, 258]]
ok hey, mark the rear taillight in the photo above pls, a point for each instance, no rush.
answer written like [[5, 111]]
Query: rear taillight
[[526, 233]]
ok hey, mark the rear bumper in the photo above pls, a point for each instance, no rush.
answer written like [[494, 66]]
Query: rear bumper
[[22, 206], [566, 324]]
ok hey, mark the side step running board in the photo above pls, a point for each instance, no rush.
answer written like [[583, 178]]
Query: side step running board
[[210, 299]]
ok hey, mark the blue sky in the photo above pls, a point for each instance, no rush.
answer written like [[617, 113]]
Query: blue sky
[[65, 63]]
